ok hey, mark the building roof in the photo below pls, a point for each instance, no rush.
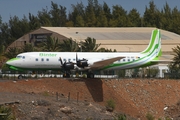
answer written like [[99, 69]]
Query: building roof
[[132, 39]]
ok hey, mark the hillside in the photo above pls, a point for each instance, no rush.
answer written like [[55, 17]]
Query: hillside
[[133, 97]]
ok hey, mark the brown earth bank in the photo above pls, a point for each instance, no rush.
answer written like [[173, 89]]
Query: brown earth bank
[[133, 97]]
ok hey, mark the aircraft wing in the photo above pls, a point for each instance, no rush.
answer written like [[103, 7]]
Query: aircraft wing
[[103, 63]]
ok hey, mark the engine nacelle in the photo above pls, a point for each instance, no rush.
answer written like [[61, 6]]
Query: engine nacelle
[[68, 65], [82, 63]]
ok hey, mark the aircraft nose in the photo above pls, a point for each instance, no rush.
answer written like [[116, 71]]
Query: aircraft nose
[[8, 62], [11, 61]]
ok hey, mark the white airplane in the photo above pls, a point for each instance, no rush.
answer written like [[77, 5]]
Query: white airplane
[[88, 61]]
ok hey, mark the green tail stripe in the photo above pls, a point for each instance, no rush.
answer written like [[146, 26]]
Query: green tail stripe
[[153, 38], [155, 33], [119, 64]]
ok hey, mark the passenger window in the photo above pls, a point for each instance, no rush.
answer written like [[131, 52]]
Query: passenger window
[[47, 59], [23, 57], [42, 59], [36, 59]]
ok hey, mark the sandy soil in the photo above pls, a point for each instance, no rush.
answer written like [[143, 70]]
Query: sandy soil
[[134, 97]]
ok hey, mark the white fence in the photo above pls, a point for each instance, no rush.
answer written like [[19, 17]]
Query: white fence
[[52, 75]]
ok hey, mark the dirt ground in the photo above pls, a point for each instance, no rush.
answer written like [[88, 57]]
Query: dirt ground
[[134, 97]]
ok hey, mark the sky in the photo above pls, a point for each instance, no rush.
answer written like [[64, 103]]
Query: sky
[[24, 7]]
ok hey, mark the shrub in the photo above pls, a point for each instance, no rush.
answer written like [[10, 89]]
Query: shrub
[[77, 75], [110, 106], [6, 113], [84, 76], [149, 116], [122, 117], [167, 118], [45, 93]]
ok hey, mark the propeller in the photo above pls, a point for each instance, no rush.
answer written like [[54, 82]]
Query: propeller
[[81, 62], [66, 65]]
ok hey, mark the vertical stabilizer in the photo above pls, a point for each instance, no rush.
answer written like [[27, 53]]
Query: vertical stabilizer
[[154, 46]]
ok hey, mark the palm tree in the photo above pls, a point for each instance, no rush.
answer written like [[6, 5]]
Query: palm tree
[[69, 45], [106, 50], [89, 45], [51, 45], [12, 52], [175, 64], [28, 48], [176, 53]]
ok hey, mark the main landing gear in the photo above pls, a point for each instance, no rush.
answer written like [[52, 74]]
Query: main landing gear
[[20, 76], [66, 75]]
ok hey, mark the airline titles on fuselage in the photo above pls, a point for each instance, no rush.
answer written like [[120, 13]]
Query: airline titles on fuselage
[[47, 55]]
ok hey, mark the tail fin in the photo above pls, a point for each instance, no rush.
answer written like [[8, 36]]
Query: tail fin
[[154, 45]]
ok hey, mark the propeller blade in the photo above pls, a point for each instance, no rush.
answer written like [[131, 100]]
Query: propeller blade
[[76, 57], [61, 60]]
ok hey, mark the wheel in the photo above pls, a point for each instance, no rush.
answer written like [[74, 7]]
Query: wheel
[[66, 75], [20, 77]]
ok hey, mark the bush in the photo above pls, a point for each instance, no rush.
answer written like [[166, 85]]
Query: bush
[[77, 75], [149, 116], [110, 106], [84, 76], [6, 113], [122, 117], [46, 93]]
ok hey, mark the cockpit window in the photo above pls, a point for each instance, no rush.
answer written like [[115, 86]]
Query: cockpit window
[[18, 56]]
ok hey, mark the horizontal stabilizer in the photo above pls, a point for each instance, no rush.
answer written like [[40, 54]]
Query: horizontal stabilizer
[[161, 61]]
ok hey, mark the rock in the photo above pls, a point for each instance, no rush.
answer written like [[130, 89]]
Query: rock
[[43, 103], [66, 110]]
